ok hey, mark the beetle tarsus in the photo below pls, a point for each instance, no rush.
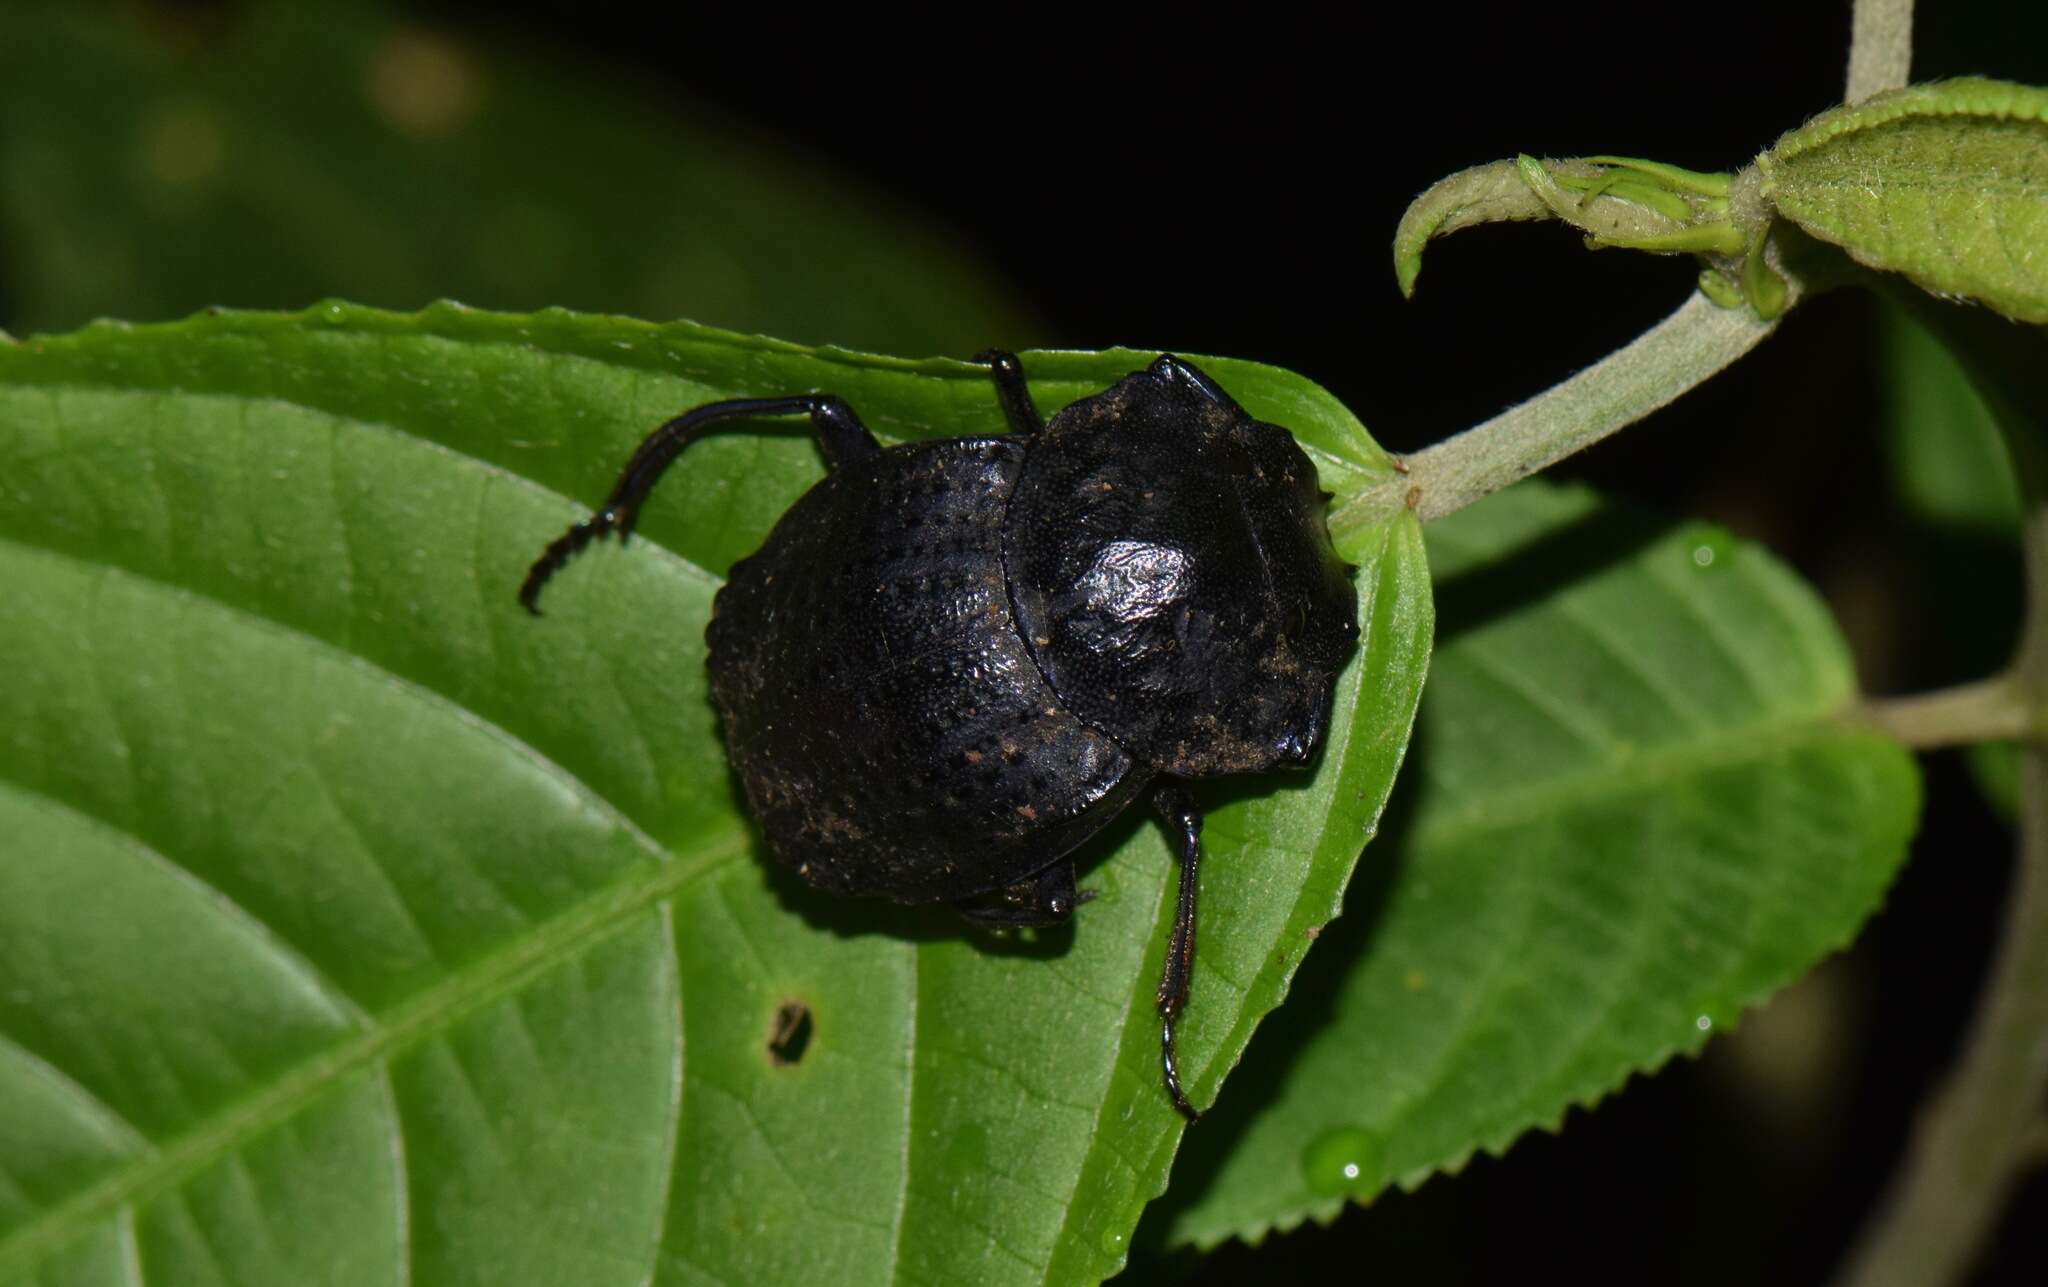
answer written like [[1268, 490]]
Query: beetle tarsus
[[1166, 1064], [1048, 898], [560, 551]]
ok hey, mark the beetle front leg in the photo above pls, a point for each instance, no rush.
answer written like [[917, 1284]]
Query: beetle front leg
[[1184, 823], [1049, 898], [841, 436]]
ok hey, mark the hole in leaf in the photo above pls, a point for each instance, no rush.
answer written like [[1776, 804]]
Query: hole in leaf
[[791, 1034]]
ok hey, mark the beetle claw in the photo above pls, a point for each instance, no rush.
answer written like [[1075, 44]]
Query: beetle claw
[[1167, 1063]]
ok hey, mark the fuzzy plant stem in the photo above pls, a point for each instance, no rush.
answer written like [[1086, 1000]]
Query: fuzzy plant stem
[[1981, 1131], [1984, 1129], [1672, 357], [1989, 710], [1880, 47]]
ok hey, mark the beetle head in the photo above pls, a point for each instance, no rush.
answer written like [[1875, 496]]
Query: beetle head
[[1174, 578]]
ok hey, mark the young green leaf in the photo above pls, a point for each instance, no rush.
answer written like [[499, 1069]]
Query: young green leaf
[[1615, 201], [1635, 813], [1946, 183], [1494, 193], [357, 927], [1637, 205]]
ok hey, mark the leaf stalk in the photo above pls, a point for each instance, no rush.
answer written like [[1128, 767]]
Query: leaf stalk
[[1970, 1146], [1880, 47], [1987, 710], [1671, 358], [1984, 1128]]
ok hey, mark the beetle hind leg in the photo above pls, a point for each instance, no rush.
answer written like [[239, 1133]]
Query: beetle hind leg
[[1184, 823], [1049, 898]]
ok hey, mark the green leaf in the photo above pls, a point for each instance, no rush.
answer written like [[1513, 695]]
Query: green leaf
[[1946, 183], [356, 927], [1635, 813], [1617, 201], [1963, 414], [1637, 205], [283, 153], [1996, 768], [1948, 460]]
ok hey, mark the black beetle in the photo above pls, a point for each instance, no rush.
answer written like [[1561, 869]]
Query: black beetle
[[954, 661]]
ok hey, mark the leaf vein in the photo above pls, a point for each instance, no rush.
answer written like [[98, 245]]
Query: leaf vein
[[527, 752], [1596, 632], [401, 1182], [909, 1113], [104, 1116], [131, 1246], [1559, 714], [672, 1131], [1644, 769], [480, 982], [293, 964]]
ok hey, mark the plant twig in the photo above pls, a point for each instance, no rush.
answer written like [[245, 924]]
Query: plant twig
[[1880, 47], [1671, 358], [1988, 710], [1971, 1146], [1973, 1140]]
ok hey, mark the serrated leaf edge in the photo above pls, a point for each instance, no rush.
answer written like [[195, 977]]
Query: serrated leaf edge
[[1963, 96], [1623, 1075]]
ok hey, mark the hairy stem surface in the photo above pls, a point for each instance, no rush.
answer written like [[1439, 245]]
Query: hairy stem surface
[[1671, 358], [1880, 47], [1972, 1143], [1989, 710]]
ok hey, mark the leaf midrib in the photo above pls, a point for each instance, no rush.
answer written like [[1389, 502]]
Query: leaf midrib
[[1734, 746], [1648, 769], [434, 1009], [488, 978]]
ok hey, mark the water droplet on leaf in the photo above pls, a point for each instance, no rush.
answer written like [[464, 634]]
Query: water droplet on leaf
[[1348, 1161], [1712, 549]]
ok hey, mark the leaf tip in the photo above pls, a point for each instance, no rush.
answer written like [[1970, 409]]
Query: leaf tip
[[1483, 194]]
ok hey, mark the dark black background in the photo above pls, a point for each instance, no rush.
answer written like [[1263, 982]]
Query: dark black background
[[1162, 181]]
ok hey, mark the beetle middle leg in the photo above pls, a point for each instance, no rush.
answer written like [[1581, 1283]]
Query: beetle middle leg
[[1049, 898], [841, 437], [1184, 823]]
